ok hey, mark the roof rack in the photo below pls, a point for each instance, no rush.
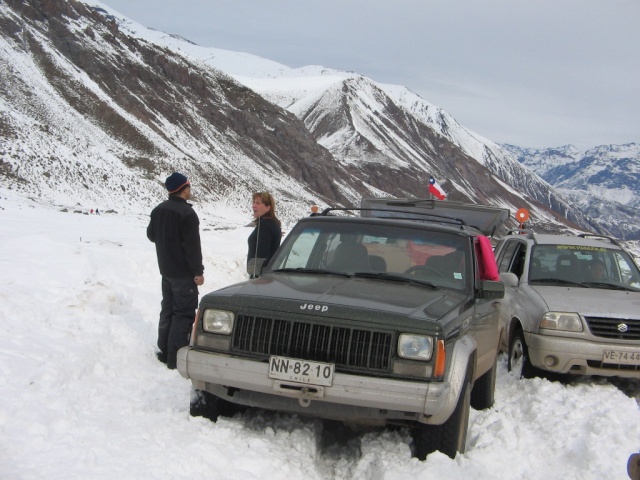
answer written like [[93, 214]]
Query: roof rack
[[597, 236], [532, 235], [522, 231], [411, 215], [482, 218]]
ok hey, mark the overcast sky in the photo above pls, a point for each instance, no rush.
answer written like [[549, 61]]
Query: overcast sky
[[534, 73]]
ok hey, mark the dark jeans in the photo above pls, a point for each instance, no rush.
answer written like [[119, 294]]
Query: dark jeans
[[177, 313]]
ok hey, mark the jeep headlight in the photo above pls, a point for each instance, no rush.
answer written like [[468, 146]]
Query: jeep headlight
[[217, 321], [567, 321], [415, 347]]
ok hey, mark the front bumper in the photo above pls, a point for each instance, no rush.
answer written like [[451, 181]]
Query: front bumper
[[349, 398], [578, 356]]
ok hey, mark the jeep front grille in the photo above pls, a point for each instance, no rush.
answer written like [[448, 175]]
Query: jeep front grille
[[349, 348], [620, 329]]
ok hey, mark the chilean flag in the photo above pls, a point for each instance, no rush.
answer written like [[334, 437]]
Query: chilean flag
[[435, 189]]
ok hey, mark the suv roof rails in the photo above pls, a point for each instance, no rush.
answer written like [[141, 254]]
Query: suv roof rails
[[604, 237], [532, 235], [523, 231], [426, 216]]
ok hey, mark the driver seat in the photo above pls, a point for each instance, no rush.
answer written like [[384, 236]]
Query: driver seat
[[437, 262], [564, 267], [446, 264], [351, 257]]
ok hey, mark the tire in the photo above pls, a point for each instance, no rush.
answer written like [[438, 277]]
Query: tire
[[519, 362], [484, 388], [204, 404], [450, 437]]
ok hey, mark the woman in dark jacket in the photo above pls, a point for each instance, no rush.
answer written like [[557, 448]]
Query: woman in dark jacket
[[266, 236]]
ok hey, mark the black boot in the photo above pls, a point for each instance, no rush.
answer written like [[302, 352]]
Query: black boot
[[162, 356]]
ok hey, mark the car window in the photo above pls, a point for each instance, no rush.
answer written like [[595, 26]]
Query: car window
[[628, 270], [598, 267], [440, 258], [514, 257], [506, 255], [519, 256], [299, 254]]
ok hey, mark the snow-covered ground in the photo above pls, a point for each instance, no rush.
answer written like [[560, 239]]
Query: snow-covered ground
[[83, 396]]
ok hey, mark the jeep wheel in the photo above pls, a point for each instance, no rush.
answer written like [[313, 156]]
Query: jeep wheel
[[450, 437], [204, 404], [484, 388], [519, 357]]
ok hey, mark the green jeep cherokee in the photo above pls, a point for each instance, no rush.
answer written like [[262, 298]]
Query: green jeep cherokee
[[389, 318]]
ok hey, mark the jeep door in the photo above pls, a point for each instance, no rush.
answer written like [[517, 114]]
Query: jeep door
[[485, 325]]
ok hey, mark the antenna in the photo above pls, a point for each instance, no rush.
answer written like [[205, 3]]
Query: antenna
[[255, 254]]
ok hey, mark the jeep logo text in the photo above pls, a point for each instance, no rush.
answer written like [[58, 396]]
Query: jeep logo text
[[317, 308]]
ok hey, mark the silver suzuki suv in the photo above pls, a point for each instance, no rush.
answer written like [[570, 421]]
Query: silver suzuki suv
[[571, 305]]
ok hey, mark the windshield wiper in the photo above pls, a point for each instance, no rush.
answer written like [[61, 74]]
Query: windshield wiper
[[394, 278], [612, 286], [310, 270], [557, 280]]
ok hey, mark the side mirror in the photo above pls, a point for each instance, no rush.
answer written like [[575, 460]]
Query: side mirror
[[254, 267], [490, 290], [509, 279]]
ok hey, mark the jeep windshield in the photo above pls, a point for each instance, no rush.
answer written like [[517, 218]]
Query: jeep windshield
[[379, 250], [584, 266]]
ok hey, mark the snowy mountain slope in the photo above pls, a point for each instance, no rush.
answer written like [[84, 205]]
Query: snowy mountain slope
[[102, 117], [375, 130], [100, 109], [543, 160], [602, 181], [610, 172], [364, 122]]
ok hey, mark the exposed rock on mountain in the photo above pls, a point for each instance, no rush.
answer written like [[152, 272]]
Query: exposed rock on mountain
[[91, 113]]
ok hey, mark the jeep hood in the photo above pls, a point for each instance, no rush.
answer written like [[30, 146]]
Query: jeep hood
[[591, 301], [290, 292]]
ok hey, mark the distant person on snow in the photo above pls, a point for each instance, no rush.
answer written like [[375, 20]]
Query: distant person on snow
[[174, 228], [267, 234]]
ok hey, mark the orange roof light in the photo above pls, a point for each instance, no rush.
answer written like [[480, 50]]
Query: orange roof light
[[522, 215]]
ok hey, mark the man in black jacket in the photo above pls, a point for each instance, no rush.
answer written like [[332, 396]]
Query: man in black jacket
[[174, 228]]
